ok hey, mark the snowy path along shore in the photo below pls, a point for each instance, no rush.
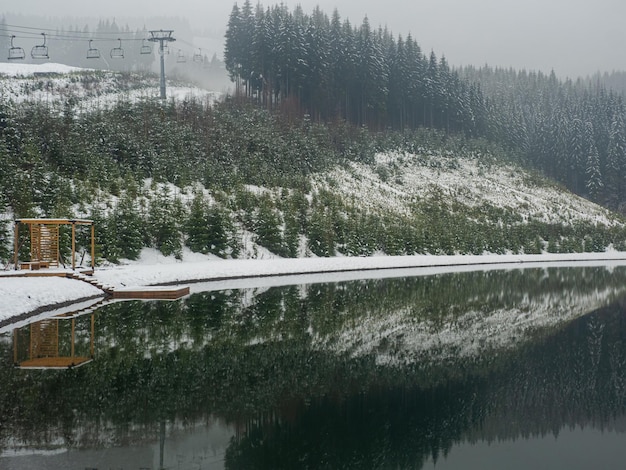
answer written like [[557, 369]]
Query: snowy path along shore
[[21, 295]]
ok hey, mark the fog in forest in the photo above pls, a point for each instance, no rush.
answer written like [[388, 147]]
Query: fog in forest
[[571, 37]]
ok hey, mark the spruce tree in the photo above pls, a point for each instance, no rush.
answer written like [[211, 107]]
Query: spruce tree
[[163, 223], [219, 232], [594, 182], [197, 225], [128, 227]]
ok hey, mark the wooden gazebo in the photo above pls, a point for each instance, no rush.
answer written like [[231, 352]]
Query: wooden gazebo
[[44, 242]]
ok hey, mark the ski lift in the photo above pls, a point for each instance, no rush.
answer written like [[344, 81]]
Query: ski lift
[[197, 57], [92, 52], [15, 52], [117, 52], [145, 48], [40, 51], [180, 57], [165, 50]]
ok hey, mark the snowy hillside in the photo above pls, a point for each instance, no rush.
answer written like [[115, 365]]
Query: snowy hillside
[[396, 182], [54, 83], [239, 175]]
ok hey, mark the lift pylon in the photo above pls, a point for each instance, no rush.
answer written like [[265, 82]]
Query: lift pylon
[[162, 37]]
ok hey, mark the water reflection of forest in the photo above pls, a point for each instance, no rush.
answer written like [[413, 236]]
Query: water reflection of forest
[[273, 363]]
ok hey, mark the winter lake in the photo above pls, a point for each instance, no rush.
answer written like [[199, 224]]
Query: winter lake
[[522, 368]]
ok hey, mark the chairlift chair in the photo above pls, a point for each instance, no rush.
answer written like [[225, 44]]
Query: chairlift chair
[[180, 57], [117, 52], [40, 51], [197, 57], [145, 48], [15, 52], [92, 52]]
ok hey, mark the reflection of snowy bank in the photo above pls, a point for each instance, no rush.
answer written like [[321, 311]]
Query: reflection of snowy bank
[[407, 335]]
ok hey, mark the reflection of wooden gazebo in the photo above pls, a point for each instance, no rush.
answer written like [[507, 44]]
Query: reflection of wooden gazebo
[[44, 345], [44, 242]]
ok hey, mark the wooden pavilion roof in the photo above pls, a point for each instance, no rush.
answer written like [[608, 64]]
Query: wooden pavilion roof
[[55, 221]]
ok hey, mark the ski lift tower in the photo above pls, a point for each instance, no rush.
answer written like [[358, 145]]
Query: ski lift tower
[[162, 36]]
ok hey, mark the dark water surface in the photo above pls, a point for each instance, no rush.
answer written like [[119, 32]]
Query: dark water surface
[[495, 369]]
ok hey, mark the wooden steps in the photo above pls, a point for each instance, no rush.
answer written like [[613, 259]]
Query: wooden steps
[[139, 293]]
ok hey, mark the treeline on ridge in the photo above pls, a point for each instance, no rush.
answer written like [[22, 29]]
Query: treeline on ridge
[[325, 67]]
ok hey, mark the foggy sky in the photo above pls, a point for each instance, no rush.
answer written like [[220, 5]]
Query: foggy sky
[[573, 37]]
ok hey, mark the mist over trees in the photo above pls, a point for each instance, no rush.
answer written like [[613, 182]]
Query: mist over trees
[[326, 67], [329, 69]]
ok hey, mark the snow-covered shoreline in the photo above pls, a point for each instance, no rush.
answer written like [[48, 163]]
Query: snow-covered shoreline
[[22, 295]]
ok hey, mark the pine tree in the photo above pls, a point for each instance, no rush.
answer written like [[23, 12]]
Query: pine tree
[[616, 160], [219, 231], [267, 223], [5, 237], [197, 225], [128, 227], [594, 182], [163, 223]]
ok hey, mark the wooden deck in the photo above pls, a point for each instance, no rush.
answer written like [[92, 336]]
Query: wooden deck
[[151, 292]]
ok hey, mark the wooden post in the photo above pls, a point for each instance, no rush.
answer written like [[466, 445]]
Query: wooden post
[[73, 333], [93, 246], [31, 345], [17, 243], [73, 245], [92, 334], [15, 346]]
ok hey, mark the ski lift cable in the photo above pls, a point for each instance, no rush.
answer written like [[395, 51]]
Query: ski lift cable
[[55, 34], [118, 33], [28, 33], [62, 37]]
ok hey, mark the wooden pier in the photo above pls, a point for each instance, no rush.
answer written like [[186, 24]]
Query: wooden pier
[[151, 292]]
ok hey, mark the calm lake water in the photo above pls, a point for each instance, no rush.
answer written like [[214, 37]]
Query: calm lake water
[[494, 369]]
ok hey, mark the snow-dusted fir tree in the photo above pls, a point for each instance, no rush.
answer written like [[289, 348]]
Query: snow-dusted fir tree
[[196, 225], [128, 227], [164, 216], [615, 161], [5, 237], [593, 183]]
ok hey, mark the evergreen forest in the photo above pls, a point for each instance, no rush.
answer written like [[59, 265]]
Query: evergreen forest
[[313, 92], [328, 68]]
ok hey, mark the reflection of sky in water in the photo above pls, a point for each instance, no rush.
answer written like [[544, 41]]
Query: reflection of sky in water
[[201, 446], [572, 449]]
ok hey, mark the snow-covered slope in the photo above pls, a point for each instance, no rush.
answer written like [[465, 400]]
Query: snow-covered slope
[[472, 181], [53, 83]]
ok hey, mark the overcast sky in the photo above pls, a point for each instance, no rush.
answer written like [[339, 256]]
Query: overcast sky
[[573, 37]]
